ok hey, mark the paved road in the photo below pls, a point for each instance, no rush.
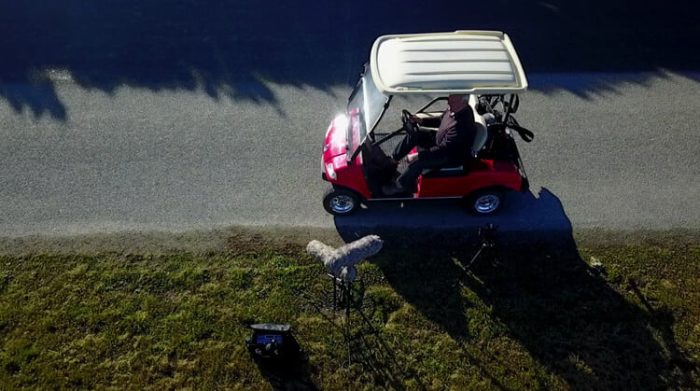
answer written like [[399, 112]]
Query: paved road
[[148, 117], [623, 157]]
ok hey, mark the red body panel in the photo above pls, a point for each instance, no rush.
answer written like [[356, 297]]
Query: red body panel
[[335, 151], [350, 175], [484, 173], [334, 143]]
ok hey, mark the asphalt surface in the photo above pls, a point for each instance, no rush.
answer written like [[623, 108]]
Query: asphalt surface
[[136, 116], [623, 157]]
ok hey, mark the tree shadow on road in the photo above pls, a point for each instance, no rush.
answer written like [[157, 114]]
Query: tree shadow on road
[[236, 49], [539, 289]]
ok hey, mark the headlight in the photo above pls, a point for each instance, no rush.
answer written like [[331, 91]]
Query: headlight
[[330, 171], [341, 122]]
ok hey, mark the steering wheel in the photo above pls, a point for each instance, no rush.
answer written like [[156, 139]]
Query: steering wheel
[[408, 125]]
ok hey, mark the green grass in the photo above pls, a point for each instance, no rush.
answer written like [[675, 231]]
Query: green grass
[[538, 317]]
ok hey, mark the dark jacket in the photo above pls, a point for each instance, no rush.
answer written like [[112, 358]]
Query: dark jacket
[[454, 137]]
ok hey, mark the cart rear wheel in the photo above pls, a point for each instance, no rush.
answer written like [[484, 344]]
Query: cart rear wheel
[[485, 202], [340, 202]]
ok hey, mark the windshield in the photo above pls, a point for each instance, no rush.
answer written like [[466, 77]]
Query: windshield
[[365, 107]]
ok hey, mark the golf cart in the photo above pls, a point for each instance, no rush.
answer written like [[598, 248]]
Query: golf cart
[[430, 67]]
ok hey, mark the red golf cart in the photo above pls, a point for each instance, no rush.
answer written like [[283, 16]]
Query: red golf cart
[[430, 67]]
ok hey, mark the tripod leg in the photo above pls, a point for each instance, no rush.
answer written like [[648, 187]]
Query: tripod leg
[[475, 257], [348, 299], [348, 291], [335, 294]]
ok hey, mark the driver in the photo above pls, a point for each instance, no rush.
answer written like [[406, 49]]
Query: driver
[[447, 146]]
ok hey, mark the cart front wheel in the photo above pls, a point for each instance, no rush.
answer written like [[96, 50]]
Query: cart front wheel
[[340, 202], [485, 202]]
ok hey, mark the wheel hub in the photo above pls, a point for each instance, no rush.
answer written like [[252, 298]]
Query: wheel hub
[[486, 203], [342, 204]]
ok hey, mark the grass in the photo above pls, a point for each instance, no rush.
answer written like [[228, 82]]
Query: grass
[[545, 315]]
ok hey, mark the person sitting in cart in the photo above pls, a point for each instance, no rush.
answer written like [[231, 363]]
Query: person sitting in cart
[[448, 146]]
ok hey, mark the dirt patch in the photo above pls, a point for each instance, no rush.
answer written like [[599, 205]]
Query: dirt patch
[[233, 239], [287, 240]]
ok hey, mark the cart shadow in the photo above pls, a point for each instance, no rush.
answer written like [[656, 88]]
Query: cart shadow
[[522, 212], [234, 49], [375, 355], [540, 292]]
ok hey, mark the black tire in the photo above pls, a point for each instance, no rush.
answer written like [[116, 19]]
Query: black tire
[[340, 202], [485, 202]]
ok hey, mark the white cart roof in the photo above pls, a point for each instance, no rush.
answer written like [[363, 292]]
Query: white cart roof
[[447, 63]]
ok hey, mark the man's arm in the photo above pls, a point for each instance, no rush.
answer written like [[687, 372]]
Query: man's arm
[[452, 135], [426, 121]]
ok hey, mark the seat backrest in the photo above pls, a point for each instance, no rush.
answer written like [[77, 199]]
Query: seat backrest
[[480, 123]]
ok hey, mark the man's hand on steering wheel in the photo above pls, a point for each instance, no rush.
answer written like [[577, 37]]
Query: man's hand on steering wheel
[[410, 122]]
